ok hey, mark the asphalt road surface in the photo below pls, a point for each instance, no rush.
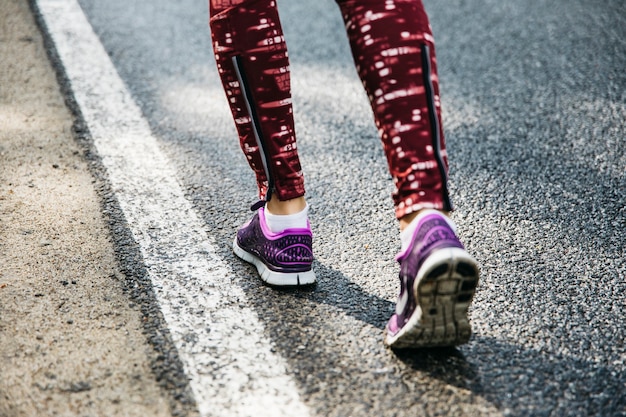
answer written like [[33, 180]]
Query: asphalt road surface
[[534, 101]]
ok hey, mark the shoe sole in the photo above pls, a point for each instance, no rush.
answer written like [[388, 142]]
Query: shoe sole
[[444, 288], [279, 279]]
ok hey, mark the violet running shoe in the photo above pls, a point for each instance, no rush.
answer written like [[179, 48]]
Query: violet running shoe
[[282, 259], [438, 279]]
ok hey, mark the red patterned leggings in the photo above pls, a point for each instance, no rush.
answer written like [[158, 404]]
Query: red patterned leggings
[[394, 54]]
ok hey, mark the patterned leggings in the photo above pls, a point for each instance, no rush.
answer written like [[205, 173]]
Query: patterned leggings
[[394, 54]]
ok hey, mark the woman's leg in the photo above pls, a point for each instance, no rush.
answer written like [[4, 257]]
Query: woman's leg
[[394, 53], [252, 61], [253, 64], [393, 49]]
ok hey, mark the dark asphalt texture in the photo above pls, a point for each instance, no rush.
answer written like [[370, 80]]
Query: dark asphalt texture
[[534, 101]]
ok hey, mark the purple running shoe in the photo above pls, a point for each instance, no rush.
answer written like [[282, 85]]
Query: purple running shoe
[[282, 259], [438, 279]]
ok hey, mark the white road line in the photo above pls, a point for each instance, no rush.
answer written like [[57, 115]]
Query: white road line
[[231, 367]]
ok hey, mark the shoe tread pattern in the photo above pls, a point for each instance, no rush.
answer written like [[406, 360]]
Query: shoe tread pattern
[[445, 292]]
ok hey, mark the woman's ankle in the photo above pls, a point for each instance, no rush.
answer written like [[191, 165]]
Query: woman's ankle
[[407, 219], [276, 206]]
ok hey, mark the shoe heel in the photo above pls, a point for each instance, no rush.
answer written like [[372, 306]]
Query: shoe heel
[[275, 278], [445, 286]]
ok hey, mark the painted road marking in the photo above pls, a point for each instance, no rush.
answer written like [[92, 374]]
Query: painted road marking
[[232, 369]]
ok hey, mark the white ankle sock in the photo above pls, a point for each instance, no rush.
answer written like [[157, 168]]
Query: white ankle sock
[[280, 222], [407, 234]]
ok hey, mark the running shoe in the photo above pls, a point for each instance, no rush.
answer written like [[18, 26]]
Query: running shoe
[[438, 279], [282, 259]]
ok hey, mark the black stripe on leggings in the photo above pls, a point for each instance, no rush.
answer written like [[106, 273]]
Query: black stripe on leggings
[[434, 124], [256, 125]]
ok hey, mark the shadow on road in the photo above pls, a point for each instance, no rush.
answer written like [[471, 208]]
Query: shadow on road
[[488, 373]]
